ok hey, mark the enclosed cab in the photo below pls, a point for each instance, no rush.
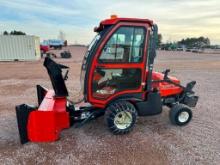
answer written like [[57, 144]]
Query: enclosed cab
[[115, 63], [118, 81]]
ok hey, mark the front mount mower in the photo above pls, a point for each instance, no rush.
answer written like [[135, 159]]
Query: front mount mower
[[118, 82]]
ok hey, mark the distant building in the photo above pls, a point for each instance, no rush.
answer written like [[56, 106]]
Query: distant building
[[19, 47]]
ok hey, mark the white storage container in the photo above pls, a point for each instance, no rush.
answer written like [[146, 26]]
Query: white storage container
[[19, 47]]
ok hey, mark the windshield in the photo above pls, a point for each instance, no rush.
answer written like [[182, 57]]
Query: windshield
[[84, 62], [88, 57], [95, 39]]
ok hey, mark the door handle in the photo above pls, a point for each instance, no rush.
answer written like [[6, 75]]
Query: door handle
[[101, 67]]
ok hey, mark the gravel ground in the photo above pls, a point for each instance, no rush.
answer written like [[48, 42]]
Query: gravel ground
[[153, 141]]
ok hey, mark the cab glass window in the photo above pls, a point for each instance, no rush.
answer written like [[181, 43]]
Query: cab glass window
[[126, 45], [107, 82]]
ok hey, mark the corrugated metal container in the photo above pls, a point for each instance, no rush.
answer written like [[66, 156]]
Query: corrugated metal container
[[19, 47]]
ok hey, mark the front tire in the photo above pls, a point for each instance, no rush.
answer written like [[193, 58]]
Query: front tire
[[120, 117], [180, 114]]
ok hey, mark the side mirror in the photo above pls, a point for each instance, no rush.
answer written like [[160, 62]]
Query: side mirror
[[155, 33], [152, 55], [154, 38]]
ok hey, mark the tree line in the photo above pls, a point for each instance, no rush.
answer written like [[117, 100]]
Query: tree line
[[200, 42], [195, 42], [14, 32]]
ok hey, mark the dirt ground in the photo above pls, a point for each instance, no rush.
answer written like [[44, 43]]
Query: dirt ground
[[153, 141]]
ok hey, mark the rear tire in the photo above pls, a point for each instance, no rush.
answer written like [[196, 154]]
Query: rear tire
[[180, 114], [120, 117]]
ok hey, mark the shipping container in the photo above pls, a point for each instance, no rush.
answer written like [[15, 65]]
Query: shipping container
[[19, 47]]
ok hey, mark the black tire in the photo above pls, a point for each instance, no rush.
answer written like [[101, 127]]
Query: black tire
[[176, 111], [117, 110]]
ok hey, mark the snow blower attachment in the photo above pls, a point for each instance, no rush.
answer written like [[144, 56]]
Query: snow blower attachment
[[44, 123], [118, 81]]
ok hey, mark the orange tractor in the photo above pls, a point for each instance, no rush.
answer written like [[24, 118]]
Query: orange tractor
[[118, 82]]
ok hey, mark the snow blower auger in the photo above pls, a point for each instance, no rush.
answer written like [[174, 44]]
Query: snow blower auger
[[118, 81]]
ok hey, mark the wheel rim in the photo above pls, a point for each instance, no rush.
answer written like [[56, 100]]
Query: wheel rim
[[183, 117], [123, 120]]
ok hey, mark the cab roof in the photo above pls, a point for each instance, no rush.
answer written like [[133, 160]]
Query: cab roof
[[114, 20]]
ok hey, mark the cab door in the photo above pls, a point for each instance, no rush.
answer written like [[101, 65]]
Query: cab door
[[119, 64]]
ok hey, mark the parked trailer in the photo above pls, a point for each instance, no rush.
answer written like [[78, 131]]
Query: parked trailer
[[54, 43], [19, 48]]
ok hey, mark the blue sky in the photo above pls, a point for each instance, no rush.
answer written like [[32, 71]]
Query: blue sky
[[76, 18]]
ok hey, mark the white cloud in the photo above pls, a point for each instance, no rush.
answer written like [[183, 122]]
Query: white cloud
[[176, 19], [38, 7]]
